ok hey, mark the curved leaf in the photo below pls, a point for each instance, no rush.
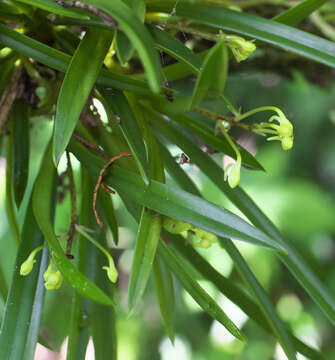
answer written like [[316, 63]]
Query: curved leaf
[[77, 85], [175, 264]]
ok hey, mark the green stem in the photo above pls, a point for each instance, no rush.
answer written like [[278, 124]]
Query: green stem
[[94, 242], [259, 109], [231, 142]]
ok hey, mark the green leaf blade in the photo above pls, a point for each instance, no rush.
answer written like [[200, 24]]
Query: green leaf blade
[[77, 85]]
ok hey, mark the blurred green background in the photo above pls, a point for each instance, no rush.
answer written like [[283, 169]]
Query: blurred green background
[[296, 192]]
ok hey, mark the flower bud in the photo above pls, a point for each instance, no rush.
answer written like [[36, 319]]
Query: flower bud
[[112, 273], [240, 47], [174, 226], [28, 264], [53, 279]]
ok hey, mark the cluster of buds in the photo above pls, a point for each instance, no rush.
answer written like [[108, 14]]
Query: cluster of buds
[[53, 278], [174, 226], [240, 47]]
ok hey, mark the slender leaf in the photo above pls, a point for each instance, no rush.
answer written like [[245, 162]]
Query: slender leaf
[[77, 85], [175, 203], [146, 244], [54, 8], [131, 132], [20, 113], [19, 305], [41, 207], [299, 12], [10, 206], [106, 202], [124, 48], [167, 43], [137, 34], [213, 73], [235, 293], [175, 264], [262, 298], [60, 61], [269, 31], [165, 293]]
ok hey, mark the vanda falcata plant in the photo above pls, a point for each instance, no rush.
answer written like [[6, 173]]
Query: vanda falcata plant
[[94, 96]]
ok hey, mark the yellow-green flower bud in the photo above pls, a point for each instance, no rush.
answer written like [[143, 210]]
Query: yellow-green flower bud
[[240, 47], [112, 273], [174, 226], [205, 244], [233, 174], [205, 235], [53, 279], [28, 264]]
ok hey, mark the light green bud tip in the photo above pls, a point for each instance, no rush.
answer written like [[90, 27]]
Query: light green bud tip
[[53, 279], [111, 272], [240, 47], [175, 226], [284, 131], [27, 266], [233, 174]]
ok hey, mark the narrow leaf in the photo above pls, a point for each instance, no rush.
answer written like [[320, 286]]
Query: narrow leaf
[[175, 264], [261, 297], [131, 131], [20, 113], [299, 12], [106, 202], [19, 305], [213, 73], [165, 293], [77, 85], [146, 244]]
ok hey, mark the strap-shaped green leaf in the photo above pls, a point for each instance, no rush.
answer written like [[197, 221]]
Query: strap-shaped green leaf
[[299, 12], [54, 8], [60, 61], [130, 130], [146, 244], [261, 297], [208, 304], [175, 203], [137, 34], [124, 48], [77, 85], [10, 206], [41, 207], [167, 43], [213, 73], [272, 32], [165, 293], [19, 305], [20, 113], [106, 202]]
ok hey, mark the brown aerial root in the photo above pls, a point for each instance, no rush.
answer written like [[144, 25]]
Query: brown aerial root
[[99, 183]]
